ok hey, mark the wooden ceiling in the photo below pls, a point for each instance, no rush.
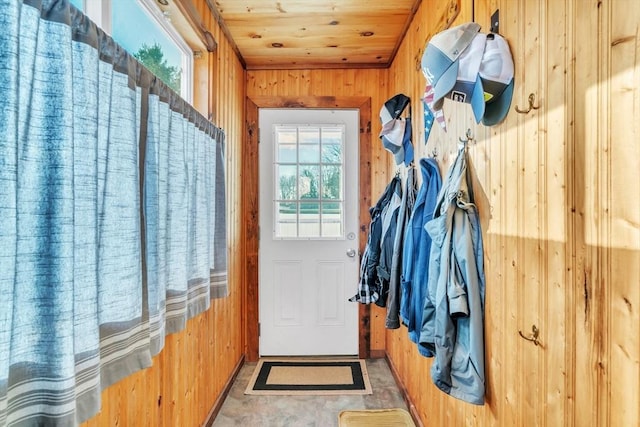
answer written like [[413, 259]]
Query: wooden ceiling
[[294, 34]]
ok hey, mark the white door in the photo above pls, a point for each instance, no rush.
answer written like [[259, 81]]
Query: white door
[[308, 232]]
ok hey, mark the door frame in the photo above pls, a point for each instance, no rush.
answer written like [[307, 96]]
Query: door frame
[[250, 204]]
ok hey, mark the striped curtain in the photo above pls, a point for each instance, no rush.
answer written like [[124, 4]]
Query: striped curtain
[[112, 214]]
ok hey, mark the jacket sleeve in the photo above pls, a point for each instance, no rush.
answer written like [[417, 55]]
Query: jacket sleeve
[[456, 288]]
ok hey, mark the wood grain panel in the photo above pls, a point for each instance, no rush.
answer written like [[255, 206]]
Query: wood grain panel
[[561, 233], [607, 255], [622, 210], [302, 34], [190, 373], [590, 323]]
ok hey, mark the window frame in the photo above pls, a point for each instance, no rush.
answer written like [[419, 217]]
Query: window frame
[[100, 12], [298, 200]]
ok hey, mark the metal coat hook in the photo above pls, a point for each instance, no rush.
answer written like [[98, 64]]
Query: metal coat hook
[[532, 99], [534, 335], [469, 137]]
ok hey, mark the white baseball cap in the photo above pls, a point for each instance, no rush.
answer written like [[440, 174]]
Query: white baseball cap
[[496, 74]]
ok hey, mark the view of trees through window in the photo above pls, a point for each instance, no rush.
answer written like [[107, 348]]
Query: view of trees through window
[[309, 181], [153, 58], [331, 183], [141, 28]]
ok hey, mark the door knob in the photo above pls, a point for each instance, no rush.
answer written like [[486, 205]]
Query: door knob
[[351, 252]]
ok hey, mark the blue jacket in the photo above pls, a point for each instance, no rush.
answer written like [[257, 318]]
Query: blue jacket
[[415, 256], [453, 316]]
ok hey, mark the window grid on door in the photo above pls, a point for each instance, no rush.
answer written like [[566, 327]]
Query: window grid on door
[[309, 181]]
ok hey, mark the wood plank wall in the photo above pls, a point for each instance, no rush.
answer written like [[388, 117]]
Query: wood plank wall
[[188, 376], [606, 178], [561, 217]]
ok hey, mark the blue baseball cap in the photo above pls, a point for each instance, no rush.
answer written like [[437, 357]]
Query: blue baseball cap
[[440, 59], [396, 130], [468, 85]]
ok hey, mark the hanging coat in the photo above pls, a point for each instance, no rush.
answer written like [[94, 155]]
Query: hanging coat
[[370, 285], [415, 257], [392, 320], [454, 311], [389, 231]]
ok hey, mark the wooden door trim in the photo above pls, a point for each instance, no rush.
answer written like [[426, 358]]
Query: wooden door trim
[[250, 195]]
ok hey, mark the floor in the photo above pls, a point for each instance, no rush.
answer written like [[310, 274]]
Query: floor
[[239, 409]]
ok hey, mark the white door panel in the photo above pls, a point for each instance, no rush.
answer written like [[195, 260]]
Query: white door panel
[[287, 295], [331, 276], [308, 232]]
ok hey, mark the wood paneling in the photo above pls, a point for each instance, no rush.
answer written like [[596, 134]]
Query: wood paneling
[[303, 34], [607, 264], [191, 371], [561, 223]]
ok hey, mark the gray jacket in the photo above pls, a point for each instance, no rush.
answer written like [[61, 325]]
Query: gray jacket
[[454, 308], [392, 320]]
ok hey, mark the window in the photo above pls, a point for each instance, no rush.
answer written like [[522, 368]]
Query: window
[[309, 181], [147, 33]]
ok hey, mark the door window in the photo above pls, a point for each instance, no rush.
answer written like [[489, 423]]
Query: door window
[[309, 180]]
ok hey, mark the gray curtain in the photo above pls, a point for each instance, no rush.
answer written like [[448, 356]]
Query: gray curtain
[[112, 214]]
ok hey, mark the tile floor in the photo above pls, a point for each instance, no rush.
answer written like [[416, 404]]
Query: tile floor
[[239, 409]]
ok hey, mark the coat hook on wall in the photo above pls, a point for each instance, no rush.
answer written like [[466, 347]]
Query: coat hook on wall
[[468, 138], [532, 99], [534, 335]]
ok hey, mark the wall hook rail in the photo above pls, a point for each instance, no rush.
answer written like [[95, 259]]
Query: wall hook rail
[[532, 100], [534, 335]]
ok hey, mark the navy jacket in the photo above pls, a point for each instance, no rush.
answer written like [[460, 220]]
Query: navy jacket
[[370, 284], [392, 320], [415, 257], [389, 221]]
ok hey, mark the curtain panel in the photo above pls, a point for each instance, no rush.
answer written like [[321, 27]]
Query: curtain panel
[[112, 214]]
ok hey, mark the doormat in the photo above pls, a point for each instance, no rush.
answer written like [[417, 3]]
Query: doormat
[[375, 418], [309, 377]]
